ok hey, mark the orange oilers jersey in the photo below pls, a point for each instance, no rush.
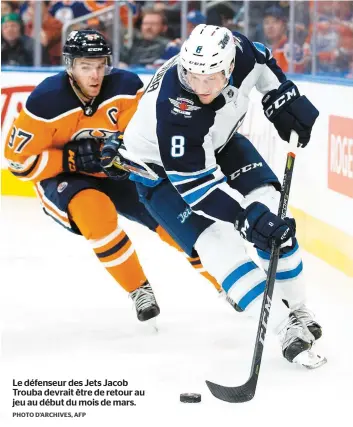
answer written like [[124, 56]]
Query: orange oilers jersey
[[54, 115]]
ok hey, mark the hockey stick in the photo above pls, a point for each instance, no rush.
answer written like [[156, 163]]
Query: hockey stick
[[246, 391], [129, 163]]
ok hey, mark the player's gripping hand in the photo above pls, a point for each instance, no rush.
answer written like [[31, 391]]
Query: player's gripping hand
[[110, 157], [82, 155], [260, 226], [287, 110]]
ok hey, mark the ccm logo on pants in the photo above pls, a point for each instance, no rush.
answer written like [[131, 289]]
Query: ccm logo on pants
[[244, 169]]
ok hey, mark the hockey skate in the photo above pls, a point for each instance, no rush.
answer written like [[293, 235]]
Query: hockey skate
[[145, 302], [297, 337], [305, 315]]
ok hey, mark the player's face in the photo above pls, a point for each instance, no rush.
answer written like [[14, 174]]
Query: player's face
[[208, 87], [89, 74]]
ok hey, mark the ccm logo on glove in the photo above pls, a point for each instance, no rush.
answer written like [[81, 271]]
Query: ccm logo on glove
[[288, 110], [292, 93], [82, 155], [71, 161], [283, 237]]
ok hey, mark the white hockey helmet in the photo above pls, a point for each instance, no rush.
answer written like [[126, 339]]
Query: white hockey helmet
[[208, 50]]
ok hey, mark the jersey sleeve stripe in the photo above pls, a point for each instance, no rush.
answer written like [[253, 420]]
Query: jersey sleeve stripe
[[41, 119], [26, 167], [44, 157], [260, 47], [78, 109]]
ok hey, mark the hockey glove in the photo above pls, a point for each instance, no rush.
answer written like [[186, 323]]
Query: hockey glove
[[82, 155], [260, 226], [110, 157], [288, 110]]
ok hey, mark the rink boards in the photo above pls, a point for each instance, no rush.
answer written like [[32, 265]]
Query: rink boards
[[322, 190]]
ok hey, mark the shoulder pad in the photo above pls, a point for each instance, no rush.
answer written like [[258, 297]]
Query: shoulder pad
[[52, 97], [121, 82]]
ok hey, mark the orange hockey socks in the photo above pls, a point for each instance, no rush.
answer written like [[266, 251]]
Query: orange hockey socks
[[96, 217]]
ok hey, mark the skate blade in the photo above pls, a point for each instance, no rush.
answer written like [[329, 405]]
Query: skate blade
[[152, 324], [310, 360]]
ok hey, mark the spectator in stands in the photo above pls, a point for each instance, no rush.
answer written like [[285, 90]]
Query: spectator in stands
[[161, 4], [7, 7], [222, 13], [274, 27], [150, 44], [172, 10], [334, 37], [257, 11], [65, 11], [302, 21], [344, 22], [50, 35], [98, 25], [16, 48], [275, 33], [194, 18]]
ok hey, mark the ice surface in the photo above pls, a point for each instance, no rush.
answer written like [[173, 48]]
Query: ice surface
[[63, 317]]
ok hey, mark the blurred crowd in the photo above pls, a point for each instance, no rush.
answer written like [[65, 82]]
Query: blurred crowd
[[151, 30]]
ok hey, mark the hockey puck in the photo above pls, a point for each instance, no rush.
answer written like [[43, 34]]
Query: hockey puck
[[190, 397]]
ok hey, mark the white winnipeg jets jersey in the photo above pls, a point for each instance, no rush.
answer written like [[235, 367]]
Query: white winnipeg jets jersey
[[178, 136]]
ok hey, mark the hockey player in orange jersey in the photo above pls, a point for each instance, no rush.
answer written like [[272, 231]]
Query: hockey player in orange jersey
[[55, 143]]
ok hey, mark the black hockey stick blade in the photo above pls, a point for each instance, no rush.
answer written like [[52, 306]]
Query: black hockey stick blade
[[246, 392], [240, 394]]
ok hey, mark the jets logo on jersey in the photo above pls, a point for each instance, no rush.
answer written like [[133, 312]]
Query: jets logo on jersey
[[183, 106], [183, 216]]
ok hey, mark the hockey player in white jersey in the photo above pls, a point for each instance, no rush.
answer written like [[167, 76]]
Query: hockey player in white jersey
[[214, 189]]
